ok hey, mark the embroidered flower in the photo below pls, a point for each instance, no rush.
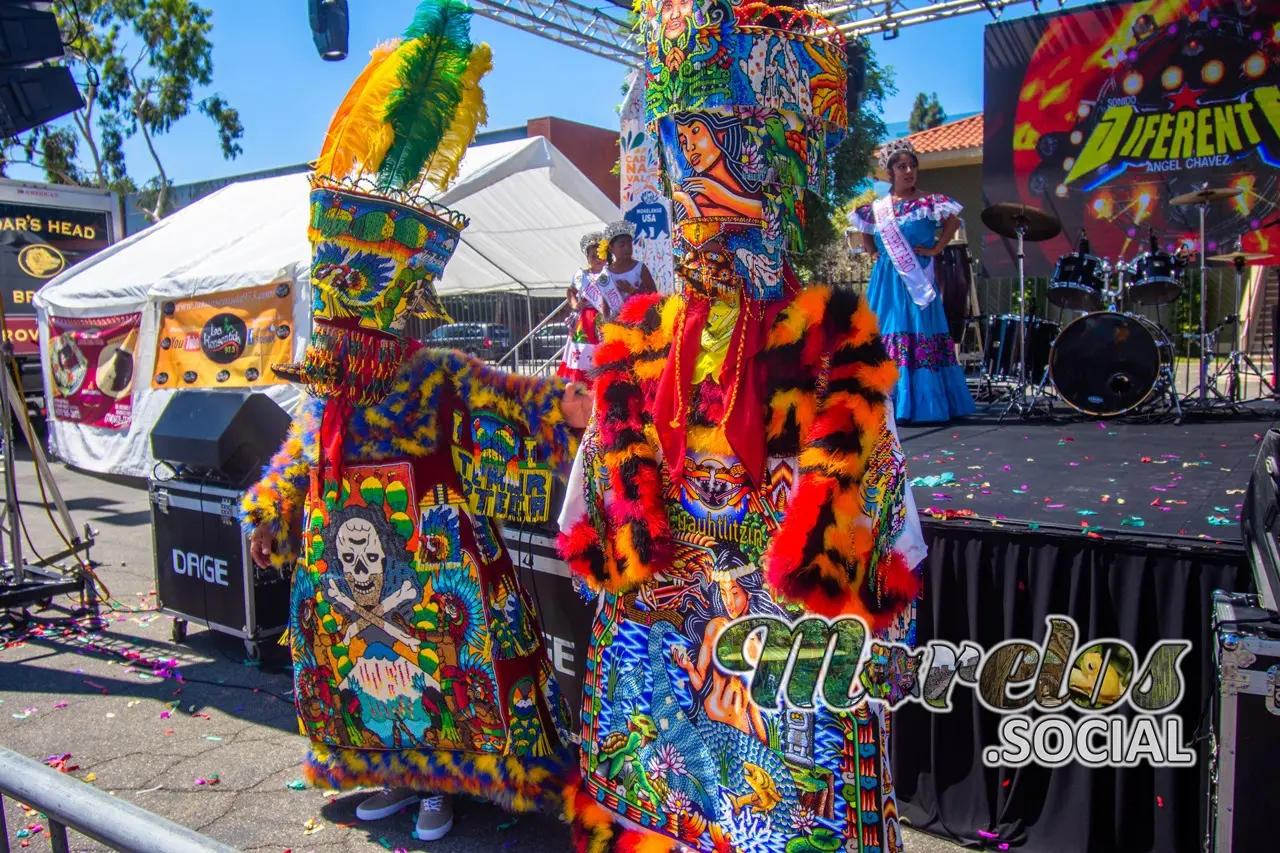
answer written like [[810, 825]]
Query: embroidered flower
[[669, 761]]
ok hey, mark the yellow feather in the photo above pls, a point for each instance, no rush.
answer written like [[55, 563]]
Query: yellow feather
[[324, 164], [365, 137], [443, 166]]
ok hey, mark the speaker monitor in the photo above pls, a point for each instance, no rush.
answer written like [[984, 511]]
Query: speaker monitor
[[1260, 521], [220, 433]]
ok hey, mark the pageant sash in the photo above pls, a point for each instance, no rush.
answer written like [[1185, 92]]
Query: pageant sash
[[601, 293], [918, 277]]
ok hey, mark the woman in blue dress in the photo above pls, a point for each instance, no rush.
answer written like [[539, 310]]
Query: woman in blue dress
[[900, 229]]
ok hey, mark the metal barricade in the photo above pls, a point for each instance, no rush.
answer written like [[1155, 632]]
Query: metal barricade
[[71, 804]]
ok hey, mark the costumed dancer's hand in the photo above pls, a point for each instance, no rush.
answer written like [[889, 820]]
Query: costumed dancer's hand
[[928, 253], [260, 546], [576, 405]]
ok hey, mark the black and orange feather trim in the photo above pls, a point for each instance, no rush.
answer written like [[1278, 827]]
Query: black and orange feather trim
[[828, 378]]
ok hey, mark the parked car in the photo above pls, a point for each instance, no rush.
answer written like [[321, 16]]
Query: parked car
[[489, 341], [549, 341]]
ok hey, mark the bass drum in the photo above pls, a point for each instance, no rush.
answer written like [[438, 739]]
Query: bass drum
[[1106, 363]]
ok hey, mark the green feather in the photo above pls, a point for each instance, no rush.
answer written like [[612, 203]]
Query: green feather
[[423, 105]]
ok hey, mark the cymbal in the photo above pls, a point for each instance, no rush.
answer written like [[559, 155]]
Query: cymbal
[[1004, 219], [1206, 195], [1242, 256]]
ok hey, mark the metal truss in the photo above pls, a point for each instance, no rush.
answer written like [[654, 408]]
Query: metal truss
[[866, 17], [605, 32]]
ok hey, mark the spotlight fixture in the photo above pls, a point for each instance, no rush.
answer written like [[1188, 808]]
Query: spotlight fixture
[[329, 28]]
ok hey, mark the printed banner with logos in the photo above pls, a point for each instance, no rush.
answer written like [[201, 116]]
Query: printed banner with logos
[[643, 202], [92, 362], [1101, 115], [226, 340], [36, 243]]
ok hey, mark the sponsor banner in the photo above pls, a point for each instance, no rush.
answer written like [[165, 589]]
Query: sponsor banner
[[92, 365], [643, 203], [1101, 115], [228, 340], [37, 243]]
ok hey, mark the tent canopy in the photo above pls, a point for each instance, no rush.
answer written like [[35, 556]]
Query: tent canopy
[[529, 205]]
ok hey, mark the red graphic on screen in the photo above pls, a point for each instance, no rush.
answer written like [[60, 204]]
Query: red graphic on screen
[[1119, 108]]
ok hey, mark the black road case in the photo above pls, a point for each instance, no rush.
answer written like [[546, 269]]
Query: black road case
[[202, 566], [1246, 725]]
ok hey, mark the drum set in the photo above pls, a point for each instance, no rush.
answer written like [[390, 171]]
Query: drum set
[[1109, 360]]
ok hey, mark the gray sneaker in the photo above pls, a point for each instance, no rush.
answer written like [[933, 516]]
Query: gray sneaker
[[435, 818], [386, 803]]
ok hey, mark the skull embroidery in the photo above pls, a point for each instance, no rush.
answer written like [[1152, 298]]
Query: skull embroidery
[[363, 560]]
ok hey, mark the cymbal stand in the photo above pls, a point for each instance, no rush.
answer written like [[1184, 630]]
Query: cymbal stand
[[1199, 397], [1235, 392], [1021, 402]]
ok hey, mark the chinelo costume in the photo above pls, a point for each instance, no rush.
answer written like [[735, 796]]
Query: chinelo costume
[[742, 461], [418, 660]]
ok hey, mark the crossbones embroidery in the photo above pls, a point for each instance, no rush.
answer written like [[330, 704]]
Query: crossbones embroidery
[[363, 559]]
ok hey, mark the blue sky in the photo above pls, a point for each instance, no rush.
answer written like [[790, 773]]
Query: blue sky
[[266, 66]]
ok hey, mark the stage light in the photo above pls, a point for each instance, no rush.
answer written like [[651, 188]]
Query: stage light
[[1212, 72], [30, 97], [1255, 66], [1132, 83], [1076, 137], [1172, 77], [1083, 110], [1068, 163], [329, 28], [1060, 191]]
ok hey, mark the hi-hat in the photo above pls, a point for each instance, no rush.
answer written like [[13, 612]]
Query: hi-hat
[[1006, 218], [1242, 257], [1206, 195]]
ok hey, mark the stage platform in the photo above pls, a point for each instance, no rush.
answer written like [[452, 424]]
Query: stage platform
[[1153, 482], [1127, 527]]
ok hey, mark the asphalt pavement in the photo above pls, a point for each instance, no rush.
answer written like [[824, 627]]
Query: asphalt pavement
[[217, 749]]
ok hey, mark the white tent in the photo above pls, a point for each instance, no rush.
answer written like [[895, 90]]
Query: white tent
[[528, 204]]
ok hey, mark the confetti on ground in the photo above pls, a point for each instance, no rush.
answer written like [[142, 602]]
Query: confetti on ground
[[1085, 512], [210, 781], [934, 480], [296, 785], [503, 827], [312, 826], [1133, 521], [92, 777], [1218, 521]]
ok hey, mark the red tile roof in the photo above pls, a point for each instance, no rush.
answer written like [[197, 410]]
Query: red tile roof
[[953, 136]]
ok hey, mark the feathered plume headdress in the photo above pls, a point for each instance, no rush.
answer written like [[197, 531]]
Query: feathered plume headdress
[[414, 109]]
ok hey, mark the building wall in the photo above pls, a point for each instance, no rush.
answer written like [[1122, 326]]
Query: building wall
[[594, 150], [964, 184]]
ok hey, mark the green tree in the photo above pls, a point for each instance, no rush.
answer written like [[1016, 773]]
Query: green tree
[[850, 164], [926, 112], [139, 64]]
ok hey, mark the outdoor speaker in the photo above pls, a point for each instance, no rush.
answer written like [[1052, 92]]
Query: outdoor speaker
[[220, 434]]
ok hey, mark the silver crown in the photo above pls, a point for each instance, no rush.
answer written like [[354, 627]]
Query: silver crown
[[892, 148]]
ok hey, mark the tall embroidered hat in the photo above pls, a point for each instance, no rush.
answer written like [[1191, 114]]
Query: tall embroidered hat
[[745, 99], [378, 244], [892, 149]]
